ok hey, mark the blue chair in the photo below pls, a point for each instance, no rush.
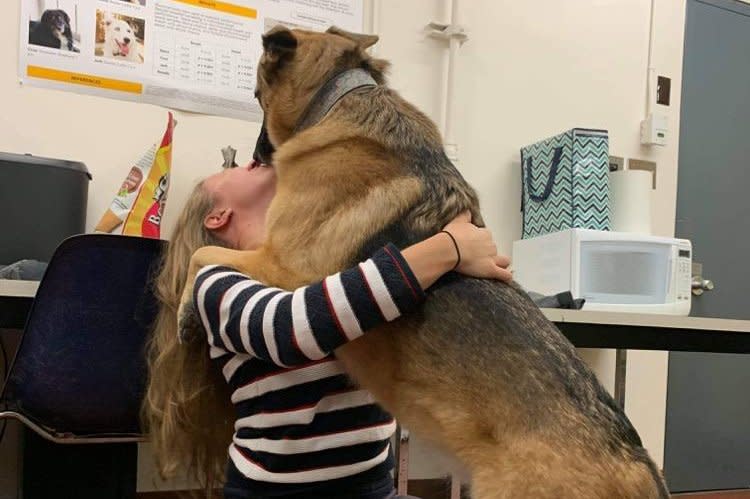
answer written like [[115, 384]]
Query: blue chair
[[79, 373]]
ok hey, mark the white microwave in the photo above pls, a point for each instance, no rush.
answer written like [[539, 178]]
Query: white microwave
[[613, 271]]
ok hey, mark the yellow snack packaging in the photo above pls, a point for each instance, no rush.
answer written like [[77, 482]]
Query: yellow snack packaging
[[139, 204]]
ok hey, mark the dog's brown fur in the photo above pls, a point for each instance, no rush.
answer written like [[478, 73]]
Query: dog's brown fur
[[478, 369]]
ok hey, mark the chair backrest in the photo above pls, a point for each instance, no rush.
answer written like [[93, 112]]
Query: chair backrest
[[80, 367]]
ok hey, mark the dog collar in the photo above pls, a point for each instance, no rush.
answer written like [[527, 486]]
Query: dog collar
[[330, 93]]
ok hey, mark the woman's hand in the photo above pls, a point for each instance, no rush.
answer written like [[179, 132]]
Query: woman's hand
[[478, 252], [435, 256]]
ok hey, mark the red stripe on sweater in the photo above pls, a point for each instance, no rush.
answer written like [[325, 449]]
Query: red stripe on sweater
[[284, 370], [333, 312], [294, 342], [347, 430], [216, 335], [310, 405], [244, 453], [403, 274], [369, 290]]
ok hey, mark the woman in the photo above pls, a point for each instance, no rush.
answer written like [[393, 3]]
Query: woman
[[301, 429]]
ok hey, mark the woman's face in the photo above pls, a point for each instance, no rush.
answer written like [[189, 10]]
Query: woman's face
[[243, 186], [246, 191]]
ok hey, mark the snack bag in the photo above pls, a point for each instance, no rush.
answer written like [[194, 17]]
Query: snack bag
[[139, 204]]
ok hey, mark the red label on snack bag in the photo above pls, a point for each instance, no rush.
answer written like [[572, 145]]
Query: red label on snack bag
[[152, 221]]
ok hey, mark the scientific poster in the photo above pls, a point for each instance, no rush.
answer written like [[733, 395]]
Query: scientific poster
[[194, 55]]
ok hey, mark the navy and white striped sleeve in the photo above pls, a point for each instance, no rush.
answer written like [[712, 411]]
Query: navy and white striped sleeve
[[242, 315]]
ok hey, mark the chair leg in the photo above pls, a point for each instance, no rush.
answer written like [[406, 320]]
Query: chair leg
[[455, 487], [402, 460]]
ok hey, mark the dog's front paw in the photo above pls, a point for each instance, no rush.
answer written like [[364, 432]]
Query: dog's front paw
[[189, 326]]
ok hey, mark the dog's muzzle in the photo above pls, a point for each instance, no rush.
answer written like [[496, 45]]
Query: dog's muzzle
[[263, 148]]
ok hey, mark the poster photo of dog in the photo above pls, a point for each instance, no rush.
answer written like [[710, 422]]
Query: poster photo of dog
[[119, 37], [54, 25]]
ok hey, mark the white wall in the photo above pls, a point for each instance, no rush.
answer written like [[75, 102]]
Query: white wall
[[530, 69]]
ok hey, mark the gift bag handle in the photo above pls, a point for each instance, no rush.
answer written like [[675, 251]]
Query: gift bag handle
[[550, 181]]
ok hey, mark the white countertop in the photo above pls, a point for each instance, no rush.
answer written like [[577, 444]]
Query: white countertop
[[18, 289], [27, 289], [649, 320]]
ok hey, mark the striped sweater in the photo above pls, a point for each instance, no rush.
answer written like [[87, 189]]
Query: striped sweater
[[300, 420]]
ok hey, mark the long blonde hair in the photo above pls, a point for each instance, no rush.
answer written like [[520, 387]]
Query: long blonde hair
[[187, 409]]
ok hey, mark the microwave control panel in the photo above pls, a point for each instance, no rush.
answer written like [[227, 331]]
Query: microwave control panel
[[684, 272]]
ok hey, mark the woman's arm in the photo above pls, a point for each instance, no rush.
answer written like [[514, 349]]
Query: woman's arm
[[474, 254], [242, 315]]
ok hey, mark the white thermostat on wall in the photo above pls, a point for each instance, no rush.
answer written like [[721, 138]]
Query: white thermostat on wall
[[654, 130]]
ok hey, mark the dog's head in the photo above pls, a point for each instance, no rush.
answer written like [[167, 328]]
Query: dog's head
[[57, 20], [122, 36], [293, 67]]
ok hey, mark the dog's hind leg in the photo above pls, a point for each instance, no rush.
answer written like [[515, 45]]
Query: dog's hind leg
[[501, 473], [547, 467]]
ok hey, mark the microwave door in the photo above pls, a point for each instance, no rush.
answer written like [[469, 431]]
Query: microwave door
[[623, 273]]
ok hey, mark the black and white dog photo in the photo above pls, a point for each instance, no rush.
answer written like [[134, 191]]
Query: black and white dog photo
[[52, 30]]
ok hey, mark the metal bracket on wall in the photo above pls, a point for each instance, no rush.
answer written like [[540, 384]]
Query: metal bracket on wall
[[444, 31], [649, 166]]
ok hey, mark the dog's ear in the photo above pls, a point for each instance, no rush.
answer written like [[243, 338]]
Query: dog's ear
[[46, 16], [362, 40], [66, 17], [279, 43]]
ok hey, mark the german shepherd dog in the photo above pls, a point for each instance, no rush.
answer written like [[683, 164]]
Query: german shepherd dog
[[479, 370]]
